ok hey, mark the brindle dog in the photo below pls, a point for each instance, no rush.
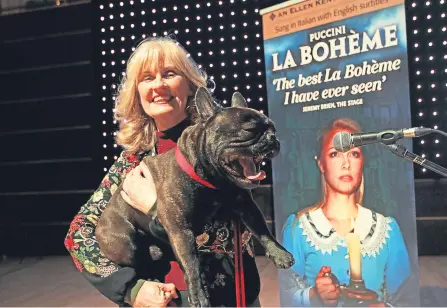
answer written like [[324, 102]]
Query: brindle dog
[[225, 148]]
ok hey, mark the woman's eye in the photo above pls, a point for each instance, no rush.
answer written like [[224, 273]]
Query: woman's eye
[[148, 77], [170, 74], [356, 154], [333, 154]]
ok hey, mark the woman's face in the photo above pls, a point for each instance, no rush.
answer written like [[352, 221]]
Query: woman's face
[[164, 95], [342, 171]]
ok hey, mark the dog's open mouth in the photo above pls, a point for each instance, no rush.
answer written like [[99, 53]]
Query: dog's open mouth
[[251, 168], [247, 168]]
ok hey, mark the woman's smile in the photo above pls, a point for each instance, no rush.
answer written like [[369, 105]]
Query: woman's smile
[[162, 99]]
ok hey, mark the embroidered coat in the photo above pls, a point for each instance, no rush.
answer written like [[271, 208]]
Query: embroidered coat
[[215, 245], [314, 243]]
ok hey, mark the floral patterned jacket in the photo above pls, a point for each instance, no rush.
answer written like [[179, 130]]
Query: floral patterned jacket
[[215, 245]]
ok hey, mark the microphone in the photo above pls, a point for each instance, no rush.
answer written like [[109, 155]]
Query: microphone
[[344, 141]]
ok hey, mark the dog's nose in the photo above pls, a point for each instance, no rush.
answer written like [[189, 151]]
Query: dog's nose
[[273, 141], [271, 136], [273, 149], [277, 145]]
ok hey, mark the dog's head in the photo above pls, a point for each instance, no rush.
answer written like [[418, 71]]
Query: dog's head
[[237, 139]]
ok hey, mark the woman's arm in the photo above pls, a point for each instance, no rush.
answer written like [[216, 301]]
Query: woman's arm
[[293, 289], [109, 278]]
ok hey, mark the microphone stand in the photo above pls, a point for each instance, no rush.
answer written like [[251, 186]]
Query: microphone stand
[[401, 151]]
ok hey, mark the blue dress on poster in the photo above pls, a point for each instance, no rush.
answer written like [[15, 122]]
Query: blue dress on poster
[[314, 243]]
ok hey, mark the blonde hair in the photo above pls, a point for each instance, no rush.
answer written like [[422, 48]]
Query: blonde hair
[[136, 129], [344, 124]]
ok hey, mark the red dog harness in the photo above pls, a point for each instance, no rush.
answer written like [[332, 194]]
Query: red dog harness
[[189, 170]]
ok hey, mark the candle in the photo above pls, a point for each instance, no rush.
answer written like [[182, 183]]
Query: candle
[[355, 256]]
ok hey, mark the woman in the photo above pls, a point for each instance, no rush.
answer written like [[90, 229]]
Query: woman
[[153, 107], [316, 235]]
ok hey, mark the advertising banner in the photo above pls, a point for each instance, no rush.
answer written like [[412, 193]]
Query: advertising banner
[[335, 68]]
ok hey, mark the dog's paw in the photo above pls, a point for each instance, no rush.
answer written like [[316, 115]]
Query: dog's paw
[[199, 300], [280, 257]]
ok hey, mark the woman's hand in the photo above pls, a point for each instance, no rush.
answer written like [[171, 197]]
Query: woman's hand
[[139, 189], [155, 294], [325, 290]]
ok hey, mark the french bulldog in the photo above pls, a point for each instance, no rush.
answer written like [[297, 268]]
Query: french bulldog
[[224, 149]]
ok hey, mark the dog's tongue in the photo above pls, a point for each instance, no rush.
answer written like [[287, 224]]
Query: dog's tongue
[[250, 169]]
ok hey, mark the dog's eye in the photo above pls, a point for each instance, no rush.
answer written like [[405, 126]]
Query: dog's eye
[[251, 128]]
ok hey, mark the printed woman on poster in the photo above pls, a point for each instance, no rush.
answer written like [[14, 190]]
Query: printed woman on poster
[[316, 236]]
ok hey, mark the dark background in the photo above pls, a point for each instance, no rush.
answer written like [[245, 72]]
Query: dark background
[[55, 147]]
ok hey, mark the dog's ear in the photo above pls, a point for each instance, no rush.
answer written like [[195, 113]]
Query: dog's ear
[[205, 105], [238, 100]]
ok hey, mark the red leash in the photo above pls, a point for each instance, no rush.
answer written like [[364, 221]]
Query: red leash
[[238, 261], [239, 267]]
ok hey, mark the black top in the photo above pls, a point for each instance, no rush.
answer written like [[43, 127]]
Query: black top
[[176, 131], [215, 246]]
